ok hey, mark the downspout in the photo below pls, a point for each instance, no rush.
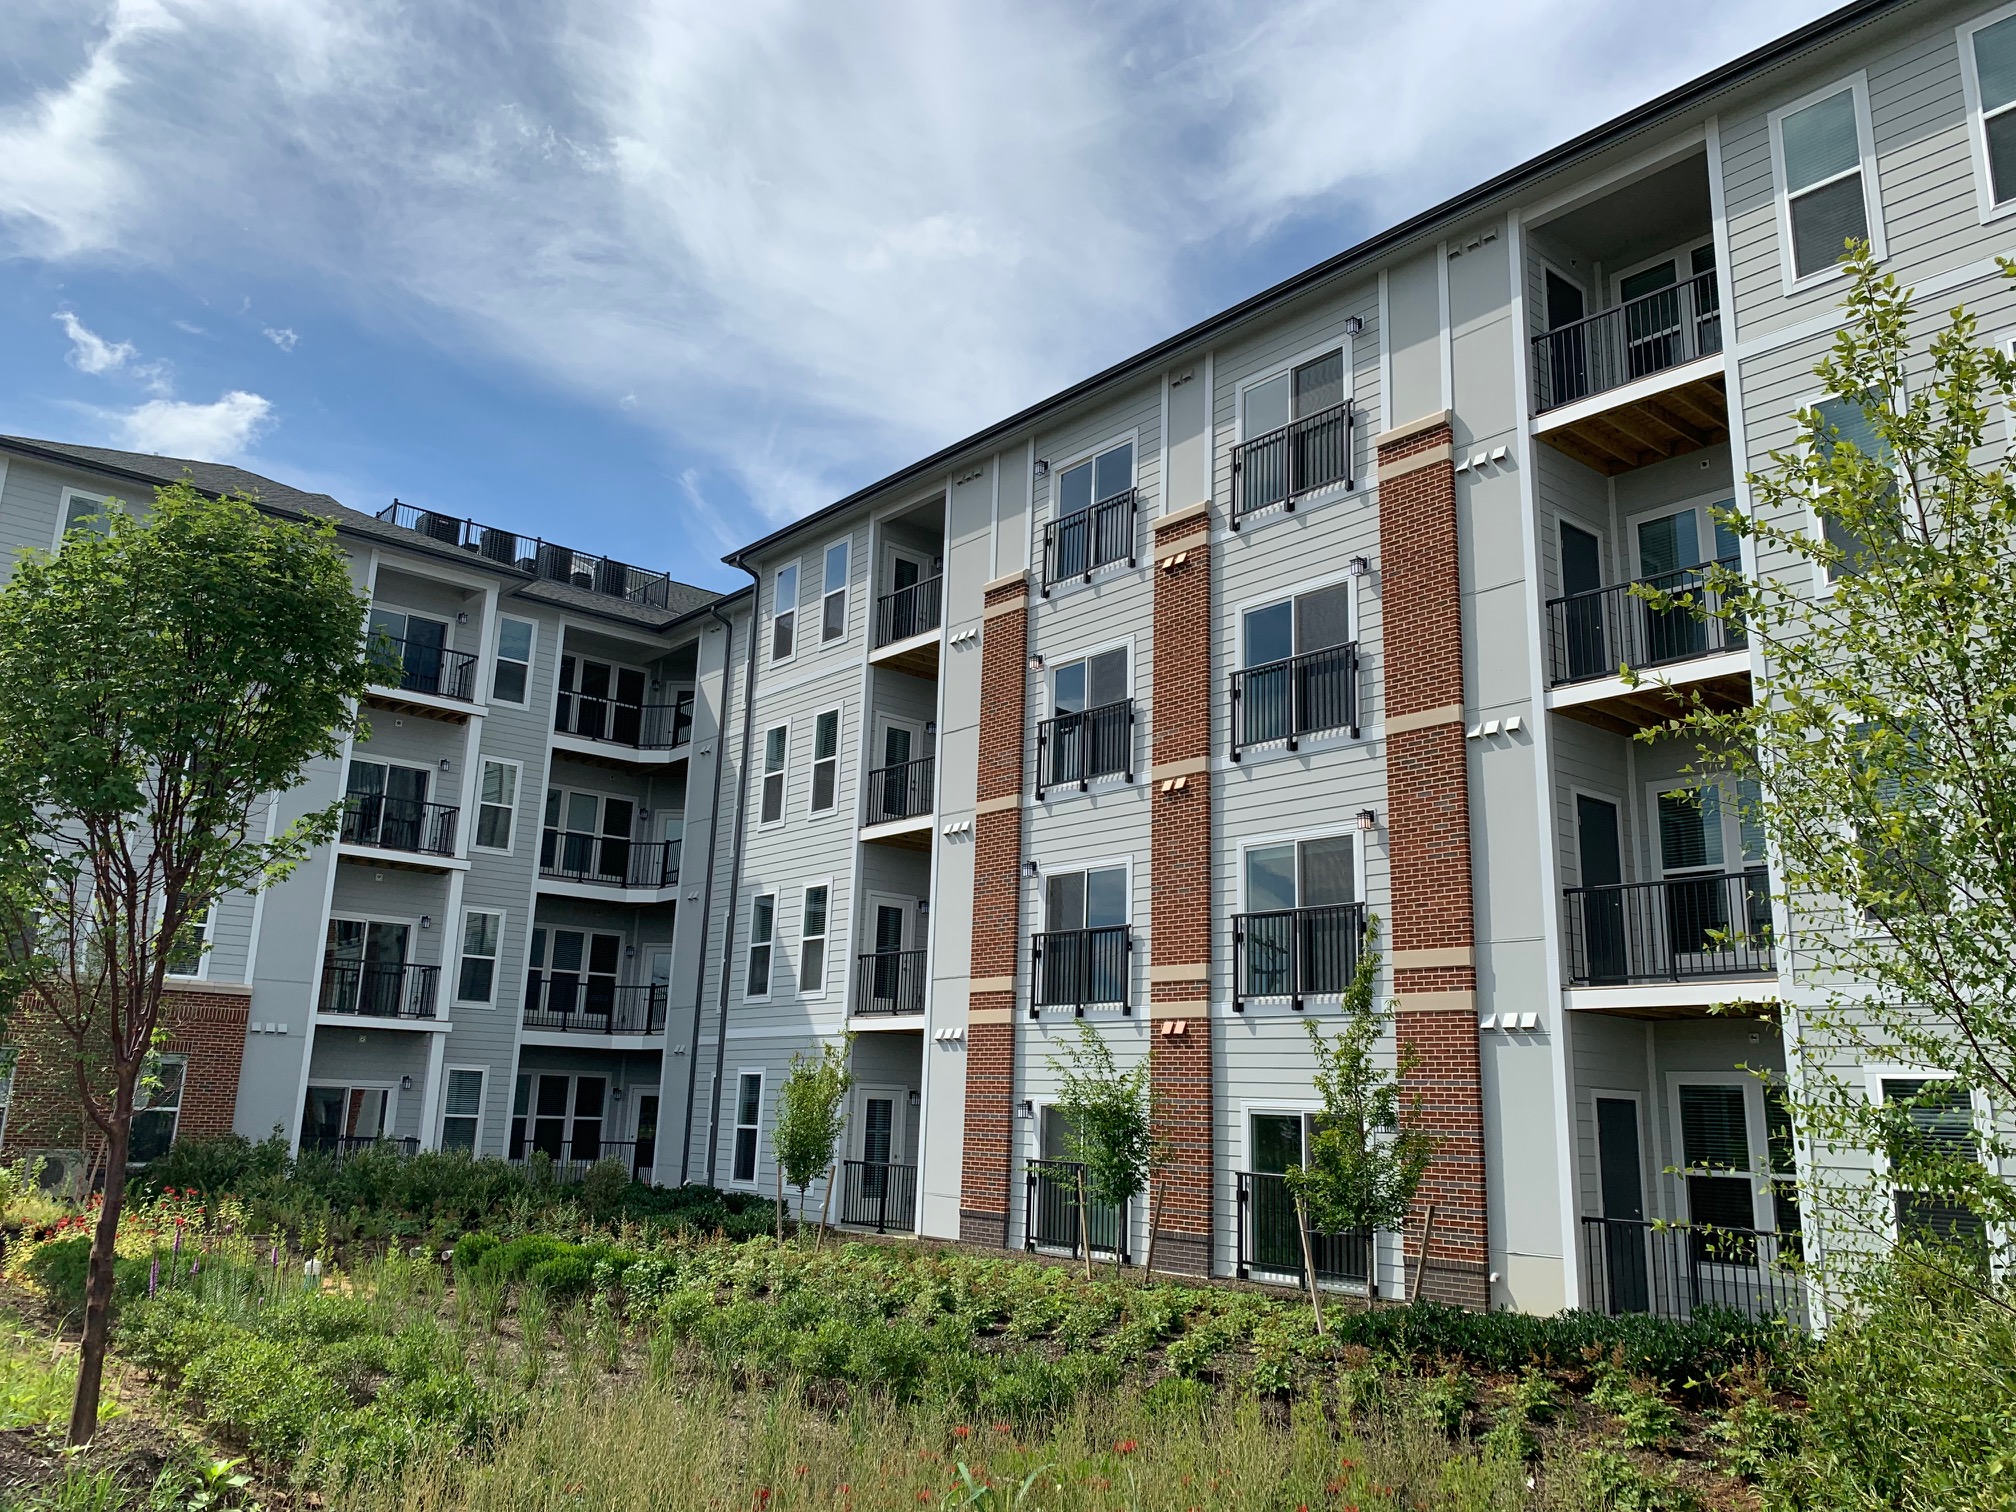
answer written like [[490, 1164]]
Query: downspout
[[734, 873], [707, 897]]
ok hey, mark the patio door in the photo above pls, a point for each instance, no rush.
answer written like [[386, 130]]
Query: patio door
[[1276, 1145], [906, 571], [364, 967], [1567, 353], [878, 1136], [647, 1136], [1621, 1173], [1606, 955], [889, 917], [1581, 581]]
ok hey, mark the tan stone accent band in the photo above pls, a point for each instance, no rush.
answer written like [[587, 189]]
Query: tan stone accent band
[[991, 984], [1423, 960], [172, 988], [1006, 606], [1196, 1008], [1411, 428], [1189, 512], [1437, 1002], [1418, 460], [1007, 580], [1194, 767], [996, 805], [1199, 972], [990, 1015], [1400, 724]]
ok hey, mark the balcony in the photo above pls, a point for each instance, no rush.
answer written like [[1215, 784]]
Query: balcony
[[612, 722], [605, 861], [432, 671], [909, 612], [1294, 954], [1675, 1270], [393, 990], [1592, 637], [560, 1002], [903, 791], [1083, 968], [1282, 468], [1637, 383], [571, 1157], [889, 983], [1096, 536], [1681, 929], [1051, 1217], [340, 1147], [879, 1195], [1285, 702], [398, 824], [536, 558], [1270, 1238], [1084, 745]]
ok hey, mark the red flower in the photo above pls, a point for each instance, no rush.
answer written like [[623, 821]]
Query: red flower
[[923, 1496], [962, 1431], [762, 1496], [798, 1469], [1004, 1428], [1125, 1446]]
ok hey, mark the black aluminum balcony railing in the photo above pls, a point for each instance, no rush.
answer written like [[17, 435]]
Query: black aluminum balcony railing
[[340, 1147], [641, 727], [878, 1194], [1050, 1218], [909, 611], [536, 558], [889, 982], [415, 668], [1708, 925], [571, 1003], [1085, 744], [1676, 1270], [1083, 968], [1285, 466], [1295, 953], [1079, 544], [1640, 337], [569, 1157], [399, 824], [1270, 1238], [1591, 635], [903, 791], [1315, 693], [378, 990], [608, 860]]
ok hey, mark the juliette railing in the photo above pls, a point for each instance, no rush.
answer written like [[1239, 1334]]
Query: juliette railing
[[1081, 543], [1284, 702], [1050, 1213], [1270, 1238], [1284, 466]]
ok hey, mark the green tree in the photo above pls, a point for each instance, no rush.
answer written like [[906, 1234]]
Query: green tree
[[1109, 1122], [160, 677], [811, 1113], [1365, 1163], [1879, 760]]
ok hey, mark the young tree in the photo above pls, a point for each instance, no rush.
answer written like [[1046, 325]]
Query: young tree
[[1365, 1165], [1109, 1116], [158, 681], [811, 1112], [1879, 759]]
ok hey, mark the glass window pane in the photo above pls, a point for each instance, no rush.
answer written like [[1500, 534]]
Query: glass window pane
[[836, 566], [763, 919], [1106, 679], [582, 809], [1270, 878], [1668, 544], [1778, 1129], [1269, 634], [514, 640], [1277, 1142], [1995, 63], [773, 748], [1942, 1113], [786, 596], [1074, 489], [1319, 385], [1723, 1202], [1714, 1133], [1106, 897], [1113, 472], [479, 934], [1646, 281], [464, 1095], [500, 783], [1065, 898], [1323, 619], [1328, 873], [1690, 829], [1266, 407], [2002, 154], [1068, 688], [1821, 140], [826, 735], [1824, 222], [815, 911], [750, 1100]]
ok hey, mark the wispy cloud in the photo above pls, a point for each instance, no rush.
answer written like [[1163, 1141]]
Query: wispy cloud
[[283, 338], [90, 352], [218, 432]]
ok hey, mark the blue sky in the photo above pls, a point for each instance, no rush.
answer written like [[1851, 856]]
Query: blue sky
[[653, 277]]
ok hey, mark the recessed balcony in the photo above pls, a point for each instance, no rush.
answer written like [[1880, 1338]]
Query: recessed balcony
[[907, 621], [900, 801], [570, 1003], [1687, 932], [377, 822], [604, 728], [579, 864], [423, 678], [889, 984], [1673, 653], [396, 990]]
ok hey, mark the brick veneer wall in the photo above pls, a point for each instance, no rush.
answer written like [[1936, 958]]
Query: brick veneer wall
[[207, 1027], [1431, 944], [1179, 1047], [986, 1163]]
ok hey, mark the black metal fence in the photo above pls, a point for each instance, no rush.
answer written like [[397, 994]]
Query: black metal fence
[[536, 558], [1640, 337], [609, 860], [878, 1195], [1295, 953], [1315, 693], [1081, 543], [1711, 925], [889, 982], [416, 668], [1050, 1213], [1084, 968], [902, 791], [574, 1004], [1285, 465], [642, 727], [1592, 634], [909, 611], [1674, 1270], [1270, 1239], [1084, 744], [340, 1147], [379, 990], [399, 824], [570, 1157]]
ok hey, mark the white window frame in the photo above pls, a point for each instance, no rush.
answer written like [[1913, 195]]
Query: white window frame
[[63, 510], [753, 1180], [1092, 454], [1874, 1075], [1872, 199], [1816, 529], [817, 761], [482, 1075], [1342, 343], [819, 989], [1086, 868], [1288, 595], [1699, 504], [751, 945], [1296, 837], [782, 774], [499, 660], [1756, 1140], [206, 935], [1681, 256], [844, 545], [1729, 814], [602, 802], [1051, 664], [796, 567], [181, 1099], [496, 961], [1977, 120], [517, 790]]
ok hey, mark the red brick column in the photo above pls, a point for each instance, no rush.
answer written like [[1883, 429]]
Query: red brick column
[[1179, 973], [987, 1160], [1428, 824]]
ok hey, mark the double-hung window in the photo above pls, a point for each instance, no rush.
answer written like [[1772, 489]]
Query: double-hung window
[[512, 680], [462, 1108], [812, 940], [1825, 180], [1082, 954], [1848, 422], [776, 753], [784, 613], [1092, 522], [1302, 927], [1300, 672], [477, 979], [90, 512], [1719, 1169], [825, 761], [1940, 1118], [1295, 435], [762, 941], [160, 1111], [496, 804], [1715, 901], [1988, 64], [188, 955], [1091, 726], [748, 1124], [833, 597]]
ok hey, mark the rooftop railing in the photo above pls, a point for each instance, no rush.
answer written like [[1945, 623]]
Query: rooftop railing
[[1636, 339], [534, 557]]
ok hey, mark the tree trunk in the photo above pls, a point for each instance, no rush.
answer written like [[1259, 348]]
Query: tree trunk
[[1085, 1223], [98, 1285], [1154, 1222], [1309, 1264], [1421, 1260], [826, 1206], [780, 1202]]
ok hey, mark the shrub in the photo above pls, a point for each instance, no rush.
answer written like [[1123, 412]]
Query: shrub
[[604, 1187], [1647, 1420], [563, 1277], [471, 1248], [1610, 1480]]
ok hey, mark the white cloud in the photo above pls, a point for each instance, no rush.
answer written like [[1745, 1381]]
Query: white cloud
[[90, 352], [215, 432], [283, 338]]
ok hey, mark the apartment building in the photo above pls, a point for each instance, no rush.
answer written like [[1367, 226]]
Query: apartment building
[[1135, 708]]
